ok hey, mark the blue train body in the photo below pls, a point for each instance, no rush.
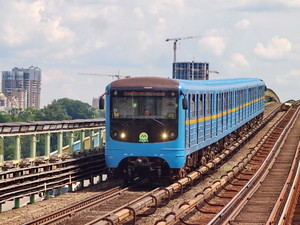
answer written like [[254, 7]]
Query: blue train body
[[189, 120]]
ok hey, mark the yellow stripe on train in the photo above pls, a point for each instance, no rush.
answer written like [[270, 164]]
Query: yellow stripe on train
[[221, 114]]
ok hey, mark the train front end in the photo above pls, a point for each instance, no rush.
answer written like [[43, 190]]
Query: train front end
[[144, 131]]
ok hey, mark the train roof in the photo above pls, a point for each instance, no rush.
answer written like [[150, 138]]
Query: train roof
[[222, 84], [152, 83]]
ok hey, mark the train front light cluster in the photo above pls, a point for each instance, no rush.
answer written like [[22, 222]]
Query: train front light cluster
[[121, 135], [165, 135]]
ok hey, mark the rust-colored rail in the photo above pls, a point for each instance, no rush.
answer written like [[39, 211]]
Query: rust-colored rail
[[262, 202], [213, 199], [67, 212], [291, 211]]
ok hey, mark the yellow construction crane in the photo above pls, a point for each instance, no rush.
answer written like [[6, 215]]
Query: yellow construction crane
[[105, 75], [178, 39]]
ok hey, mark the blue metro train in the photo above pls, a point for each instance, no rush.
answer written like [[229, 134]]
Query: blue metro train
[[165, 127]]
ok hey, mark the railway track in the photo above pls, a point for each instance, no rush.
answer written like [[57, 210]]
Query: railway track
[[22, 182], [250, 192], [97, 207], [270, 189], [134, 203]]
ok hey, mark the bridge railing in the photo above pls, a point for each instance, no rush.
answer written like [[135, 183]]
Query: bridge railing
[[88, 132]]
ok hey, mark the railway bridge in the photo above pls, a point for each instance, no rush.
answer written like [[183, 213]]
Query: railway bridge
[[39, 149]]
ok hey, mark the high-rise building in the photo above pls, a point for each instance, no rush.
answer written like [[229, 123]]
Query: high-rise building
[[191, 70], [24, 85]]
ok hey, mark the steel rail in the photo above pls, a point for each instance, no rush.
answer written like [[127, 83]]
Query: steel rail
[[184, 208], [275, 214], [48, 180], [231, 210], [286, 215], [66, 212]]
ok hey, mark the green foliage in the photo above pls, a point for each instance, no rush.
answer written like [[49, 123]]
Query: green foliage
[[61, 109], [77, 109]]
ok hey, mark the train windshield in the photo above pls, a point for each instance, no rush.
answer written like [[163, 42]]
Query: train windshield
[[144, 105], [144, 116]]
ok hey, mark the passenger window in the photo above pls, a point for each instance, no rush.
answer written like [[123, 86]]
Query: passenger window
[[201, 105]]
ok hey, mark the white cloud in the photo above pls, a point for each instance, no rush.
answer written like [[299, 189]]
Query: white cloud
[[54, 31], [243, 24], [275, 49], [139, 12], [161, 6], [214, 43], [296, 74], [240, 59]]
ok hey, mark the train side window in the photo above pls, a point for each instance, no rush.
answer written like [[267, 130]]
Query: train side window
[[211, 104], [222, 101], [201, 105], [207, 104], [217, 103], [204, 105], [193, 102]]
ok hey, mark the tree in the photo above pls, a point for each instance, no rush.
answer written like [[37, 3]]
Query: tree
[[77, 109], [29, 114], [54, 111]]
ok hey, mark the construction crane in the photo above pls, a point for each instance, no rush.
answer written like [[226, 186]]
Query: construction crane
[[175, 43], [118, 76]]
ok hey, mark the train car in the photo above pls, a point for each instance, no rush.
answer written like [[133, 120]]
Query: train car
[[165, 127]]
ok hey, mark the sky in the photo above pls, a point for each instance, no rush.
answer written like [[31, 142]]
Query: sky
[[244, 38]]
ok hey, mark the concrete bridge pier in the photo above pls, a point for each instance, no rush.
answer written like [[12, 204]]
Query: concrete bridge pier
[[17, 150], [92, 132], [59, 143], [33, 147], [71, 142]]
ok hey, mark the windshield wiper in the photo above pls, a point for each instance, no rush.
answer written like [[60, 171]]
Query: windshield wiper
[[155, 120]]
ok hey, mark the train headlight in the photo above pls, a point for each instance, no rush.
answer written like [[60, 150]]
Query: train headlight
[[164, 136], [172, 134], [122, 135]]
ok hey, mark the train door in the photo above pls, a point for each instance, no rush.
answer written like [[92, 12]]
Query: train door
[[193, 120], [201, 118], [235, 108], [256, 97], [207, 117], [187, 125], [222, 102], [239, 105], [249, 102], [212, 113], [217, 112], [242, 105], [230, 113], [226, 109]]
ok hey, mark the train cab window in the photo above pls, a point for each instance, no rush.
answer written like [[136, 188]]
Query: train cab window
[[132, 105], [150, 112]]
